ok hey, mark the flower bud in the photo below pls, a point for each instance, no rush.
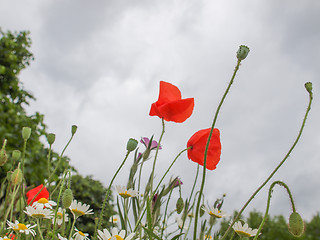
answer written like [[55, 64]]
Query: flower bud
[[308, 86], [3, 157], [16, 177], [296, 225], [16, 155], [242, 52], [132, 144], [73, 129], [179, 205], [51, 137], [202, 211], [26, 132], [67, 198]]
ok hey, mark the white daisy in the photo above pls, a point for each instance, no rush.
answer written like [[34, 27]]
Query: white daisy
[[78, 209], [62, 238], [244, 231], [44, 203], [61, 214], [123, 192], [22, 228], [5, 237], [80, 235], [105, 235], [39, 212], [114, 219], [212, 211]]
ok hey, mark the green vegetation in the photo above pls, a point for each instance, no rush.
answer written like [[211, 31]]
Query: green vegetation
[[14, 57]]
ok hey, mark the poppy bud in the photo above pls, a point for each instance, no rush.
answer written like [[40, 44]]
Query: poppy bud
[[16, 177], [26, 132], [131, 144], [67, 198], [2, 69], [242, 52], [202, 210], [3, 155], [308, 86], [179, 205], [73, 129], [296, 225], [16, 155], [51, 137]]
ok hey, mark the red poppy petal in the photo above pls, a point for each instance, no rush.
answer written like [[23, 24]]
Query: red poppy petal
[[177, 111], [199, 141], [168, 93], [43, 194]]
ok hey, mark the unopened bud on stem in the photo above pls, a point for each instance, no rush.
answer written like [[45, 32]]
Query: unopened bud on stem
[[296, 225], [51, 137], [26, 132], [242, 52]]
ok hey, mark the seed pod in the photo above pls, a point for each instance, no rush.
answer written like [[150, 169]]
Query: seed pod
[[51, 137], [132, 144], [243, 52]]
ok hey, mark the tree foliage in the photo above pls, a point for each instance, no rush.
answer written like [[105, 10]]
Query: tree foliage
[[14, 57]]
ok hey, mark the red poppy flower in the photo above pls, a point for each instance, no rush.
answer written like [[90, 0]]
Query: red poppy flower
[[43, 194], [198, 141], [170, 106]]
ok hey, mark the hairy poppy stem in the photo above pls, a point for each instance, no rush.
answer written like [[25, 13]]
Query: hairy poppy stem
[[206, 150], [155, 157], [268, 204], [275, 170]]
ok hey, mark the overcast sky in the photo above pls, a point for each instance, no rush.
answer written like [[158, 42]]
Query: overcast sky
[[98, 65]]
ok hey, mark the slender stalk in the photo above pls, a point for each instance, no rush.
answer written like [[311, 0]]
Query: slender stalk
[[206, 150], [268, 204], [39, 230], [156, 155], [71, 229], [275, 170], [98, 224]]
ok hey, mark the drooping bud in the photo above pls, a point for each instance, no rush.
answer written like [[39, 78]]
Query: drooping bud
[[3, 154], [132, 144], [67, 198], [179, 205], [308, 86], [26, 132], [51, 137], [296, 225], [202, 211], [73, 129], [16, 177], [243, 52], [16, 155]]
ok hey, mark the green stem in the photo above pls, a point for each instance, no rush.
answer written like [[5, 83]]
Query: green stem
[[98, 225], [39, 230], [72, 227], [275, 170], [206, 150], [155, 157], [268, 204]]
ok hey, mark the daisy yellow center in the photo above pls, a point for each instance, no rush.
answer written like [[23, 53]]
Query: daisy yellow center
[[59, 215], [125, 194], [81, 233], [43, 200], [21, 227], [78, 212], [215, 214], [117, 237], [243, 234]]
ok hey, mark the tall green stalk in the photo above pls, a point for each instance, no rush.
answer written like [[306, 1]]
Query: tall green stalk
[[206, 150]]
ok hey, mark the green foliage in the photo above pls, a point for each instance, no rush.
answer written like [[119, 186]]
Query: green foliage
[[14, 57], [276, 227]]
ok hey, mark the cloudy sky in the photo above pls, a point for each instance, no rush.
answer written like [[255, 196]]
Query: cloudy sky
[[98, 65]]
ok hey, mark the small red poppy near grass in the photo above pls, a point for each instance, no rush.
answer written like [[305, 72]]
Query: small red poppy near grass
[[198, 142], [170, 106], [31, 193]]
